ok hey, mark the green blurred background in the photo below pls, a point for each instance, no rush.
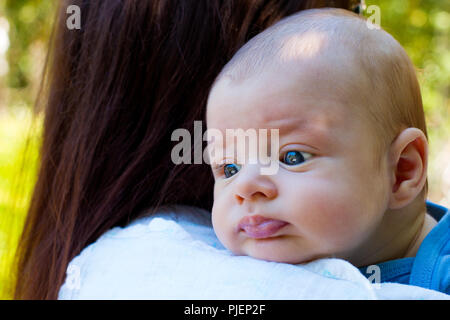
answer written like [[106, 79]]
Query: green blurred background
[[421, 26]]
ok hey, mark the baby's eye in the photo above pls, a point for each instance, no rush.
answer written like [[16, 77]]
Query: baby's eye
[[292, 158], [231, 169]]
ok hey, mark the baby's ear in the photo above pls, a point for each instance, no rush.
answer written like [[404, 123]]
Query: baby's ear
[[409, 160]]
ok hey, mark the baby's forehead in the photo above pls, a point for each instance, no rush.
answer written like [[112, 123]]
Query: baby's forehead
[[321, 122], [322, 61], [276, 89], [276, 99]]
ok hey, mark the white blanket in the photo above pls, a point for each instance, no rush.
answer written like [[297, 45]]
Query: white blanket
[[177, 256]]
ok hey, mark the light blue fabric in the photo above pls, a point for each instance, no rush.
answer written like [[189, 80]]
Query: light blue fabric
[[397, 271], [176, 255], [431, 267]]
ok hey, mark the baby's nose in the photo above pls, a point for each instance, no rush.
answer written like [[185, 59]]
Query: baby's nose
[[251, 185]]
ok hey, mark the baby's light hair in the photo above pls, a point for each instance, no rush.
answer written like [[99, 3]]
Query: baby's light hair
[[385, 89]]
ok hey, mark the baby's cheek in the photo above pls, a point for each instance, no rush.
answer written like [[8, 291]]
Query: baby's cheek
[[331, 217], [222, 224], [218, 219], [341, 222]]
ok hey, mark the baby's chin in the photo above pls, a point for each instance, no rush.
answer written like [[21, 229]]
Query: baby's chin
[[266, 250], [281, 259]]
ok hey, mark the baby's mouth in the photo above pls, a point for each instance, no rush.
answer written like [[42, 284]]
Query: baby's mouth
[[259, 227]]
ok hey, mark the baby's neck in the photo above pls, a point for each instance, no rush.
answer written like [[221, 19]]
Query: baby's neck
[[427, 225], [399, 236]]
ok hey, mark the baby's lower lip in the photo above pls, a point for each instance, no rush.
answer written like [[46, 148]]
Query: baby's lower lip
[[261, 229]]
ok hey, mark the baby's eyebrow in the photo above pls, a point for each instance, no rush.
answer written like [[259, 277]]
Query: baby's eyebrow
[[287, 126], [307, 131], [290, 127], [314, 132]]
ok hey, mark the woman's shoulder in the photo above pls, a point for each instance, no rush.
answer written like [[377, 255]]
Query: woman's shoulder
[[173, 222], [139, 245], [169, 219]]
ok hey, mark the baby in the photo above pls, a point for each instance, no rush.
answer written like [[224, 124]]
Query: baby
[[352, 153]]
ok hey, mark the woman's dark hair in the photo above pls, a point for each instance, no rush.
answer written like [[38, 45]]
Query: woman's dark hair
[[113, 93]]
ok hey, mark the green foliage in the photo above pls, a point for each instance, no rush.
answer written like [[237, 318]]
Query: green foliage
[[19, 145], [423, 28], [30, 21]]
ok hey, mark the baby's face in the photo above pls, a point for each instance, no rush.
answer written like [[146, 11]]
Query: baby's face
[[327, 197]]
